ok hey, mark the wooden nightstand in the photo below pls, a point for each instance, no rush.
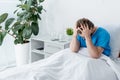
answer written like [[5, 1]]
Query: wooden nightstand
[[43, 47]]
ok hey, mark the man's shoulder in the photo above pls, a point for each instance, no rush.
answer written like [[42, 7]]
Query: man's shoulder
[[103, 31]]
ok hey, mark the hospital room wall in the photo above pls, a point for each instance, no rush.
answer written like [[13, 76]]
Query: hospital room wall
[[64, 13]]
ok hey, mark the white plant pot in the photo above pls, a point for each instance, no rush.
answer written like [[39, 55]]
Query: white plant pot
[[22, 54], [69, 37]]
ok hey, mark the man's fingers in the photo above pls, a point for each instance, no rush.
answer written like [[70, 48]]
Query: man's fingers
[[82, 26], [86, 25], [80, 29]]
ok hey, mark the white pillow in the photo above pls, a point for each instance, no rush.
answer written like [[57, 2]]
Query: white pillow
[[115, 40]]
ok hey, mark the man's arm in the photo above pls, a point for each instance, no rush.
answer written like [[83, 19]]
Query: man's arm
[[75, 45], [95, 52]]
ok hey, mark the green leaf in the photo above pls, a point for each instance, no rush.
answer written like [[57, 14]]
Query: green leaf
[[3, 17], [8, 22], [1, 39], [21, 0], [38, 16], [0, 27], [28, 15], [18, 5], [33, 10], [29, 3], [35, 28], [2, 36], [40, 9], [25, 2], [34, 18], [25, 6], [16, 23], [27, 32], [19, 19], [16, 41], [16, 28], [21, 14], [20, 39], [15, 11], [34, 2], [41, 0]]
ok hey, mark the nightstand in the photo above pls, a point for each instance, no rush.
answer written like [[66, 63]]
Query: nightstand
[[43, 47]]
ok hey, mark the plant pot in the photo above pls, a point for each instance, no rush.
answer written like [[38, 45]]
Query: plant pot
[[69, 37], [22, 54]]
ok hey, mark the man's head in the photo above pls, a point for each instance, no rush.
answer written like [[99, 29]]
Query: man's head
[[84, 21]]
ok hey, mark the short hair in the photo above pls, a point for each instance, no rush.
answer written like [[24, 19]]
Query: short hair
[[84, 21]]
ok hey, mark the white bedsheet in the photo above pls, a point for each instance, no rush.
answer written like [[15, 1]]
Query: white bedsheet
[[66, 65]]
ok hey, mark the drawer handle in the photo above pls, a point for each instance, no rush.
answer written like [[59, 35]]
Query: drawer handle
[[53, 46]]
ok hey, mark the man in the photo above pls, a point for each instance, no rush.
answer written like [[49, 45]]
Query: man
[[95, 39]]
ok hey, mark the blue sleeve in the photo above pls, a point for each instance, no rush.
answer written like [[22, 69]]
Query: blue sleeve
[[103, 40], [78, 38]]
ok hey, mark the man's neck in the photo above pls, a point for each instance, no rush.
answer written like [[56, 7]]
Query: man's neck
[[94, 30]]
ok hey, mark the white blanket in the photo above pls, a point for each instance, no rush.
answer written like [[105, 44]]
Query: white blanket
[[66, 65]]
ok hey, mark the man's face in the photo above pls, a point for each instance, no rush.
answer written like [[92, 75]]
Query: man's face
[[81, 35], [80, 31]]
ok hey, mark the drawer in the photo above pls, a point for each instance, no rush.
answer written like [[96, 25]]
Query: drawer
[[52, 48]]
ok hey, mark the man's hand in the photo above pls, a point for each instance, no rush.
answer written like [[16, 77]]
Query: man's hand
[[76, 30], [75, 44], [86, 32]]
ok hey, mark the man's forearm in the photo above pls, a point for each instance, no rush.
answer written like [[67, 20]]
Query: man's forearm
[[91, 48], [74, 45]]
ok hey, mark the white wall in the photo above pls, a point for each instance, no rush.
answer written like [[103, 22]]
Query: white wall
[[7, 49], [64, 13]]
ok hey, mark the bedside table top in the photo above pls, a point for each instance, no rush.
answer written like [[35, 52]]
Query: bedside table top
[[48, 39]]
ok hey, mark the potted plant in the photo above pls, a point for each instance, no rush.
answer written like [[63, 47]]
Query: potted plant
[[69, 32], [26, 25]]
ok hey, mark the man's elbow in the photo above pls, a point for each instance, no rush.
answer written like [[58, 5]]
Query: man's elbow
[[95, 56], [74, 50]]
